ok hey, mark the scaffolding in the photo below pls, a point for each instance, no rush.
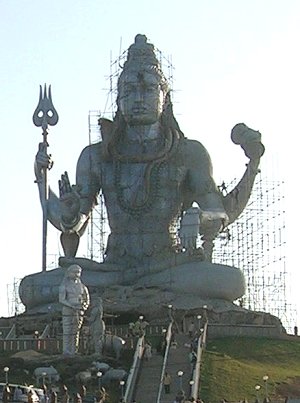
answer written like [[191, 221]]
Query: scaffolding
[[256, 243], [14, 304], [98, 229]]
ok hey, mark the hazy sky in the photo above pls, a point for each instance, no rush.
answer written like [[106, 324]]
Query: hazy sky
[[235, 61]]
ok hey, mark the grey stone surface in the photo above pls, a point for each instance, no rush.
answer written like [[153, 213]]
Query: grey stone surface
[[150, 175], [74, 298], [96, 325]]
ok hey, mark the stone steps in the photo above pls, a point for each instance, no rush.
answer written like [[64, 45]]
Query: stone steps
[[178, 360]]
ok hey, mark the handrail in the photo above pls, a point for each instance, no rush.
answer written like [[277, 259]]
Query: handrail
[[12, 333], [45, 332], [133, 373], [163, 370], [196, 373]]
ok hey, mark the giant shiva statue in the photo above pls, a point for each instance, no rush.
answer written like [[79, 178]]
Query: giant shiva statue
[[152, 177]]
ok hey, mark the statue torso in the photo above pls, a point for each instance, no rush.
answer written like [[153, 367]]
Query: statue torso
[[143, 200], [146, 187]]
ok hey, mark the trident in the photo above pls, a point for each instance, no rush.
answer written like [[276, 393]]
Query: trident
[[44, 115]]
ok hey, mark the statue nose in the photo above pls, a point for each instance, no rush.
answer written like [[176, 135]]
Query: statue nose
[[139, 95]]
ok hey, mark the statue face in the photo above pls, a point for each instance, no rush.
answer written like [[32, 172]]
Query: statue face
[[141, 98], [74, 272]]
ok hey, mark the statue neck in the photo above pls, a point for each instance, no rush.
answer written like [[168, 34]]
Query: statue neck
[[141, 140], [144, 143]]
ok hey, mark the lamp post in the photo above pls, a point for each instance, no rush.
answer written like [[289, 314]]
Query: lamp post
[[205, 313], [257, 389], [170, 306], [44, 377], [191, 386], [99, 375], [199, 321], [265, 379], [6, 370], [122, 383], [180, 373]]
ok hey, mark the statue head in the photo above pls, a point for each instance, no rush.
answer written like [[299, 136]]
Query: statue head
[[143, 98], [142, 86], [73, 272]]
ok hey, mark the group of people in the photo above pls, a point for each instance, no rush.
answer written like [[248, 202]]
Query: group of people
[[16, 394], [180, 396], [100, 395], [52, 395], [138, 328], [64, 396]]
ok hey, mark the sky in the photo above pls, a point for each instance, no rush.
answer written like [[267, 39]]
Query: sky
[[234, 61]]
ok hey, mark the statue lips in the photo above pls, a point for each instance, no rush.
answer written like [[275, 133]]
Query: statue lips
[[139, 110]]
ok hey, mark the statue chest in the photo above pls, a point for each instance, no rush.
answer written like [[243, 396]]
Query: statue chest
[[140, 186]]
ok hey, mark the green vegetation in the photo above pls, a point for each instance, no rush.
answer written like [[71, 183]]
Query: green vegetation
[[232, 367]]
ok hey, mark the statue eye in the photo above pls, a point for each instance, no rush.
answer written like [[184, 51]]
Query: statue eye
[[128, 89]]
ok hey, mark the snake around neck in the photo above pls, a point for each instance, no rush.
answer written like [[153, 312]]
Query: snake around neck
[[154, 163]]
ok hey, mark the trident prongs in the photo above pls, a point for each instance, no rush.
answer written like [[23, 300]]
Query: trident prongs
[[45, 113]]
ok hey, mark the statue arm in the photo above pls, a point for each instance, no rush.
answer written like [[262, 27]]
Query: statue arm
[[49, 202], [62, 297], [201, 185], [70, 212], [79, 200], [85, 298], [201, 188], [250, 141], [236, 200]]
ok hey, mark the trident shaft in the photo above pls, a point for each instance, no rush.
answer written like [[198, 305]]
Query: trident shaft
[[44, 115]]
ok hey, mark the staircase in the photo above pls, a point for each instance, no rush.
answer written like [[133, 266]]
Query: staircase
[[178, 361], [149, 380]]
